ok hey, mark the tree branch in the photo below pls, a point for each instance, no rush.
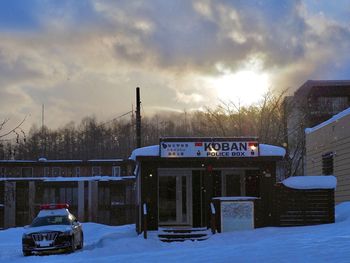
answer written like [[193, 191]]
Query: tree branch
[[12, 130]]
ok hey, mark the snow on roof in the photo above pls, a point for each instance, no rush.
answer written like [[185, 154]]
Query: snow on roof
[[311, 182], [105, 160], [63, 161], [20, 179], [17, 161], [68, 179], [153, 150], [271, 150], [87, 178], [42, 159], [329, 121]]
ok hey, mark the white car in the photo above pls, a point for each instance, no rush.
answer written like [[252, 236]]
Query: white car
[[54, 229]]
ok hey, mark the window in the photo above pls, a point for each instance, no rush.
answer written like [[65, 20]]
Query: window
[[51, 195], [69, 195], [27, 172], [116, 171], [332, 104], [2, 171], [104, 198], [96, 170], [327, 163], [232, 185], [70, 171], [56, 171], [77, 171], [46, 171]]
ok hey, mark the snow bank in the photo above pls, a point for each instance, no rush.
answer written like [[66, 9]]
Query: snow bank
[[329, 121], [311, 182], [342, 212], [312, 244]]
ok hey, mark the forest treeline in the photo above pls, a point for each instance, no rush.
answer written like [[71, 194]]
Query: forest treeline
[[91, 139]]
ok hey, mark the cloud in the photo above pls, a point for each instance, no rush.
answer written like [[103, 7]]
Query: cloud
[[87, 57]]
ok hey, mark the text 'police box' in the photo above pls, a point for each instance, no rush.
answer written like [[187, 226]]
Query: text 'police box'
[[208, 147]]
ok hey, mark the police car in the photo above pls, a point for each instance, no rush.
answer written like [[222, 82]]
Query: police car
[[54, 229]]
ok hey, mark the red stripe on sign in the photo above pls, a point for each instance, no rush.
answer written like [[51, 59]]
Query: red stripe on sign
[[198, 144]]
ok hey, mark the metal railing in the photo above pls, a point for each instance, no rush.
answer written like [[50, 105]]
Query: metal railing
[[144, 216]]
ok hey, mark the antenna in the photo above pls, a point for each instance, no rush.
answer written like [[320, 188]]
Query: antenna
[[138, 118]]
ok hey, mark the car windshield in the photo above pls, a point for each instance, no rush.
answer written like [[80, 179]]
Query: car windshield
[[50, 220]]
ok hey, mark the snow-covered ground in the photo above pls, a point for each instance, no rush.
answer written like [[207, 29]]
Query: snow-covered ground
[[324, 243]]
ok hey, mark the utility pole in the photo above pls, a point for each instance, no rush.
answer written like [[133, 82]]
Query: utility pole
[[138, 118], [43, 139]]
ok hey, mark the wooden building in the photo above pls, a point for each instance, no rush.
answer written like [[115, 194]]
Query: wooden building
[[97, 190], [177, 180], [328, 152]]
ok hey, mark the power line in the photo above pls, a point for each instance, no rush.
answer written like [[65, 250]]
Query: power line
[[114, 119]]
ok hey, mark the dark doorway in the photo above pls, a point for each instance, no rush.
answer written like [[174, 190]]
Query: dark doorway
[[252, 183], [205, 186]]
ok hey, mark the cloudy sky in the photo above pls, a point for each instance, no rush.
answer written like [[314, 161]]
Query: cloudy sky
[[83, 58]]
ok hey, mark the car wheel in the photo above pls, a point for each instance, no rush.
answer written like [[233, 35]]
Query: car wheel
[[81, 243], [27, 253]]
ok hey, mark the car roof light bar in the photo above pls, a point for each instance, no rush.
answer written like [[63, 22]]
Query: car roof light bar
[[53, 206]]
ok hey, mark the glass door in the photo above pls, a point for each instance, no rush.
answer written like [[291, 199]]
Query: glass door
[[167, 199], [174, 201]]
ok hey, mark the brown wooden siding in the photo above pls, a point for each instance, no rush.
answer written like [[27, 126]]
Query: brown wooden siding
[[302, 207]]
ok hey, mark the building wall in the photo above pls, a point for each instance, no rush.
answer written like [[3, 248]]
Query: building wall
[[64, 169], [334, 137], [107, 202], [148, 189], [314, 102]]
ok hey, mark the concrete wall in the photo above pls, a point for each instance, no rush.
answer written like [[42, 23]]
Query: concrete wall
[[334, 137]]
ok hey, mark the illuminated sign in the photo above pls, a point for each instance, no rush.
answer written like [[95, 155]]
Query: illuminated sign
[[209, 149]]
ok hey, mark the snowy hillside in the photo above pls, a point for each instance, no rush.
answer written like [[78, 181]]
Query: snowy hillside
[[325, 243]]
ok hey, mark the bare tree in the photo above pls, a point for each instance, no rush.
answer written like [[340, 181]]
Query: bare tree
[[16, 130], [7, 150]]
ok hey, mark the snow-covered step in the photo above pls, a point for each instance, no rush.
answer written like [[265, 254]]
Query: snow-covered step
[[183, 234]]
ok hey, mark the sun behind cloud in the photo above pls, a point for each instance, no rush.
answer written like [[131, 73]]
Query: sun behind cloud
[[245, 86]]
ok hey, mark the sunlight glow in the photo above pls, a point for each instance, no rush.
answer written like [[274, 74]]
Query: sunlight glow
[[246, 87]]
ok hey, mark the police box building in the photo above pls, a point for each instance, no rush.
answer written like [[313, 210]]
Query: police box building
[[179, 179]]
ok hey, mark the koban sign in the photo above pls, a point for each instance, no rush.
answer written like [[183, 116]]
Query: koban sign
[[209, 149]]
